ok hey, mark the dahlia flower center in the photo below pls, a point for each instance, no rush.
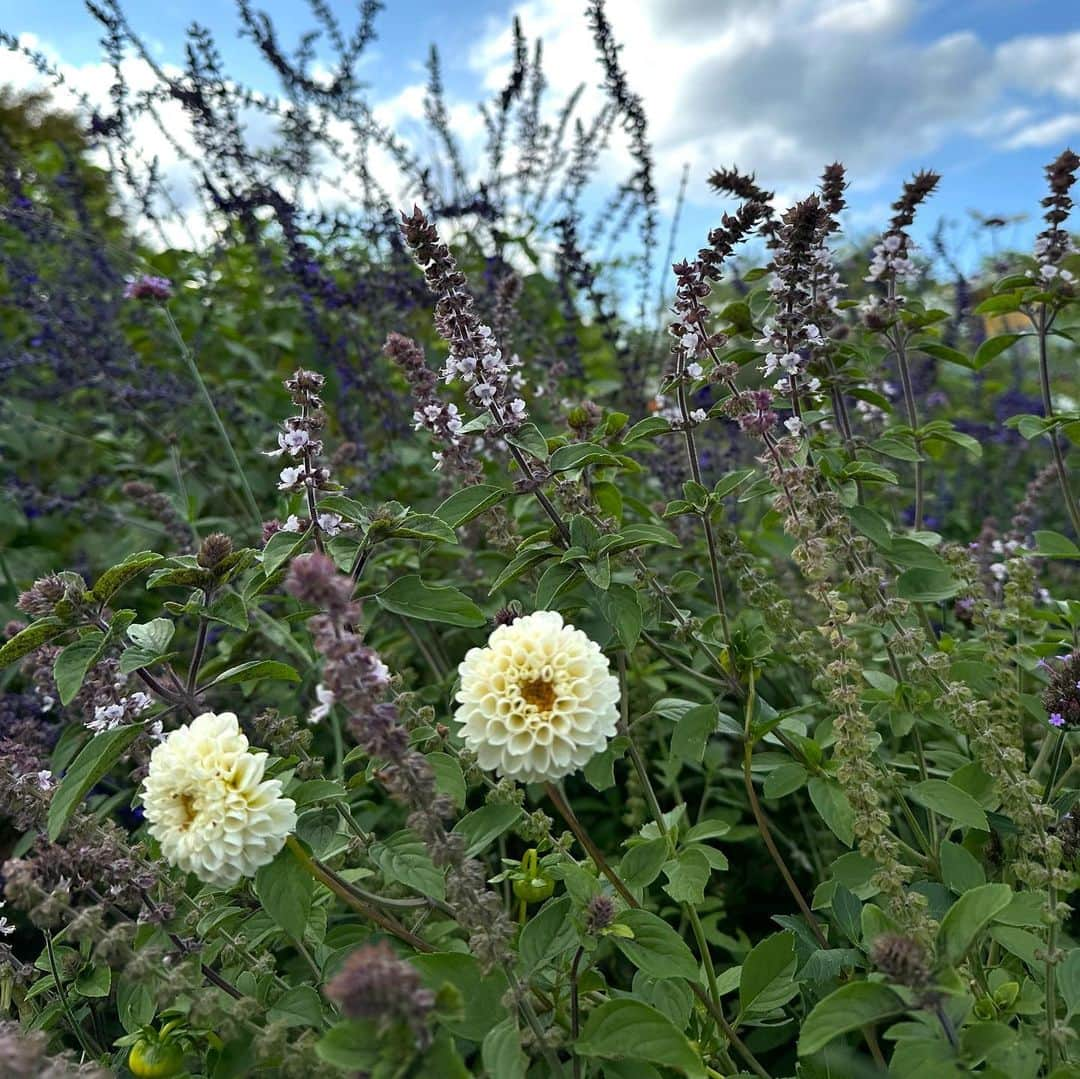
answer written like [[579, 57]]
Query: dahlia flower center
[[539, 692], [186, 801]]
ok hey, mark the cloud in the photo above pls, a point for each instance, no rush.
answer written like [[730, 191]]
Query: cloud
[[782, 87], [1054, 132]]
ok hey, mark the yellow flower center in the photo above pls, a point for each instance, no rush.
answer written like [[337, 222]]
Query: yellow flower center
[[540, 693]]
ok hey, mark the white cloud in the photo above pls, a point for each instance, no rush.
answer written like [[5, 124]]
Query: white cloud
[[1053, 133], [782, 87]]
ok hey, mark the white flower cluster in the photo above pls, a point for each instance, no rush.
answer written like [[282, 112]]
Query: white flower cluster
[[1049, 250], [489, 378], [330, 524], [208, 805], [108, 717], [892, 258], [539, 701]]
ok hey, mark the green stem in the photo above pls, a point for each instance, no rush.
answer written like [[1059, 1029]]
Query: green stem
[[193, 370]]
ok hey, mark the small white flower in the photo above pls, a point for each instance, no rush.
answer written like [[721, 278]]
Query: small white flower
[[107, 717], [699, 415], [790, 362], [291, 478], [539, 701], [694, 370], [6, 928], [517, 408], [794, 425], [999, 570], [325, 698], [485, 393], [292, 524], [330, 523], [208, 805]]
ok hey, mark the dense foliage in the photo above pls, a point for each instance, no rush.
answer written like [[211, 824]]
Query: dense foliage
[[705, 710]]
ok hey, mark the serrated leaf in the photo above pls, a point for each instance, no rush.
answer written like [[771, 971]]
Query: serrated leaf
[[27, 640], [114, 578], [528, 438], [404, 859]]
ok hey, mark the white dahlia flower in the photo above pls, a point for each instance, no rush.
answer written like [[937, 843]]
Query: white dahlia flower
[[208, 804], [539, 701]]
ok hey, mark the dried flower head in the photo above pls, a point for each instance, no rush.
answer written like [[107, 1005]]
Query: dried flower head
[[901, 959], [539, 701], [208, 805], [375, 984]]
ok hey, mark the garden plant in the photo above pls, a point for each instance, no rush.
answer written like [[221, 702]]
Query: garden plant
[[473, 637]]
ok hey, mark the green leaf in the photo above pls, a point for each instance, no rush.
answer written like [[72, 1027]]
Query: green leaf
[[580, 454], [352, 1045], [231, 610], [687, 876], [630, 1030], [281, 547], [410, 597], [1002, 304], [692, 732], [404, 859], [848, 1008], [71, 665], [285, 889], [501, 1052], [546, 935], [481, 994], [834, 808], [93, 761], [94, 982], [255, 669], [655, 947], [642, 863], [449, 779], [967, 918], [27, 640], [622, 611], [424, 526], [528, 438], [943, 352], [153, 636], [994, 346], [767, 962], [1068, 979], [462, 506], [520, 564], [909, 552], [951, 802], [112, 580], [960, 869], [1055, 545], [484, 825], [926, 585]]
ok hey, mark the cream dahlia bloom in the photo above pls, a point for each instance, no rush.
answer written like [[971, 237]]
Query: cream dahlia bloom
[[539, 701], [208, 804]]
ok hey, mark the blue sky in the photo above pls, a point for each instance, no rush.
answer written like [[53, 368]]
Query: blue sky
[[984, 91]]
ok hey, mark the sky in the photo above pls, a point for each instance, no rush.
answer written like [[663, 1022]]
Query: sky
[[985, 92]]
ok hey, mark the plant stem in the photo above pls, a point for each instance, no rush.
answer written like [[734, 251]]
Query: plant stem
[[583, 837], [1042, 328], [193, 370], [344, 891]]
